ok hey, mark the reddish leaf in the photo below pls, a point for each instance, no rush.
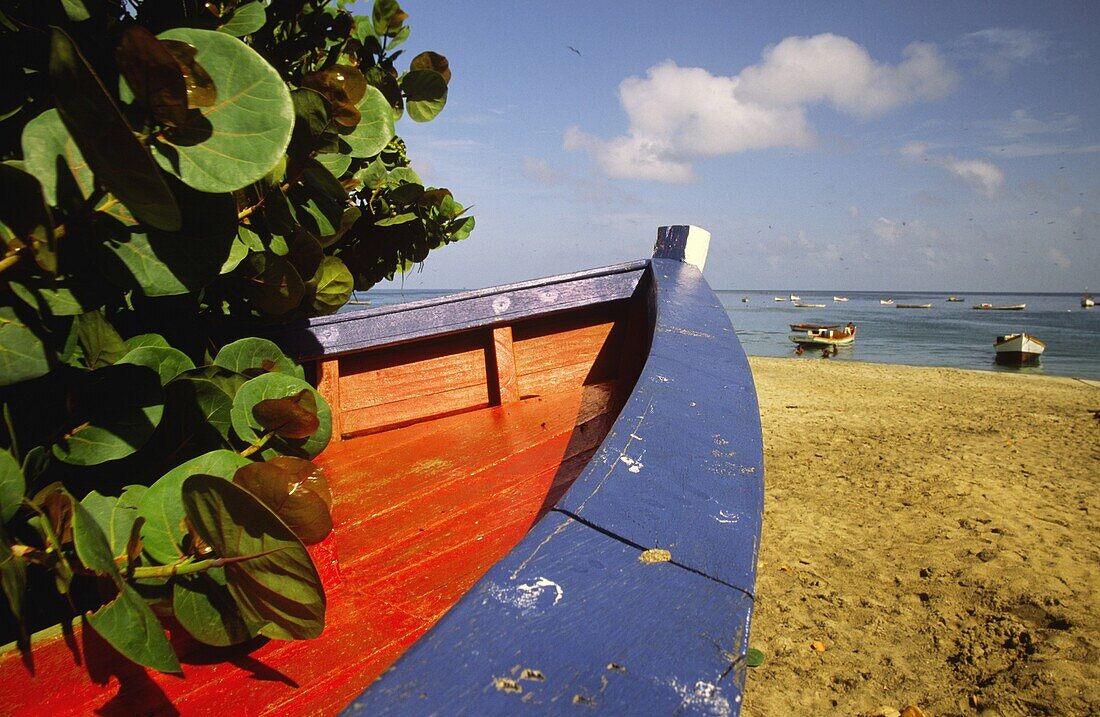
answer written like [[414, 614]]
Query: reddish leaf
[[200, 86], [343, 86], [294, 489], [153, 74], [290, 417]]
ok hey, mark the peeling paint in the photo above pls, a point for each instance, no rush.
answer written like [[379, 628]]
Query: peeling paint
[[529, 596], [724, 517], [501, 304], [507, 684], [634, 465], [702, 696], [655, 555]]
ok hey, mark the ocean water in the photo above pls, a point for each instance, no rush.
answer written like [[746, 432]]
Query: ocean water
[[948, 334]]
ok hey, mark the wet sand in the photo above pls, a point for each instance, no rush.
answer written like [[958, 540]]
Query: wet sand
[[931, 538]]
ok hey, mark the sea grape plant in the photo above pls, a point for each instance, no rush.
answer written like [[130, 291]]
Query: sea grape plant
[[173, 174]]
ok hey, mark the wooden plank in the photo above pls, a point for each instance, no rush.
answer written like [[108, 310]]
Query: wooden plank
[[504, 367], [373, 419], [391, 325], [328, 385], [560, 353], [572, 618], [683, 465]]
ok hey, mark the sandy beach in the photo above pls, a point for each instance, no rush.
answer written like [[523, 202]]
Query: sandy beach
[[931, 538]]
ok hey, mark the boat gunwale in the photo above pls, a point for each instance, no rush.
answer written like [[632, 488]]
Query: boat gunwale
[[615, 500]]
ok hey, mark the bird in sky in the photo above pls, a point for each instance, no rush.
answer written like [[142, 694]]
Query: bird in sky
[[574, 49]]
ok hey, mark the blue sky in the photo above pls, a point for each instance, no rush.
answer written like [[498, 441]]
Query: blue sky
[[862, 146]]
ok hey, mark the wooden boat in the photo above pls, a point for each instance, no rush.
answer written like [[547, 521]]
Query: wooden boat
[[780, 298], [886, 302], [1087, 302], [821, 335], [913, 306], [1017, 349], [1009, 307], [545, 494], [954, 299], [840, 298], [744, 299], [802, 305], [795, 298]]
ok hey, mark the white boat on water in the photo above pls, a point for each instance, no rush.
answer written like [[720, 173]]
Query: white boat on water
[[840, 298], [1087, 301], [1007, 307], [795, 298], [780, 298], [886, 302], [1018, 349], [801, 305], [821, 335]]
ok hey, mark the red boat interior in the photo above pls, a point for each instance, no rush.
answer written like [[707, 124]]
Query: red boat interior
[[449, 449]]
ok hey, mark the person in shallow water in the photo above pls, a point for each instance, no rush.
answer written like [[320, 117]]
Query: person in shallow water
[[799, 350]]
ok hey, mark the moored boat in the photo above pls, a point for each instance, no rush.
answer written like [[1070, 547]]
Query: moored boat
[[886, 302], [802, 305], [954, 299], [485, 447], [822, 335], [913, 306], [780, 298], [840, 298], [1007, 307], [1087, 301], [795, 298], [744, 299], [1017, 349]]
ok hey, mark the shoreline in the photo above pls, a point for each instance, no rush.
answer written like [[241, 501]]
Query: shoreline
[[936, 531]]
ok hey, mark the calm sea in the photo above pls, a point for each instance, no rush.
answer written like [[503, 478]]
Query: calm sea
[[948, 334]]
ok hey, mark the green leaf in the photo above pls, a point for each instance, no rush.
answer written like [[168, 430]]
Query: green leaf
[[115, 516], [165, 360], [425, 94], [161, 264], [245, 20], [58, 295], [432, 61], [121, 406], [313, 126], [51, 154], [201, 399], [126, 622], [272, 283], [335, 163], [76, 10], [101, 343], [13, 580], [106, 141], [333, 286], [754, 657], [375, 128], [206, 609], [22, 354], [295, 490], [23, 211], [245, 134], [253, 356], [278, 385], [387, 16], [162, 504], [12, 486], [136, 342], [280, 589]]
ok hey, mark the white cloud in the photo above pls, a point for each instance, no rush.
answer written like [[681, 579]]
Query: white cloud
[[999, 49], [540, 170], [827, 67], [678, 115], [983, 177]]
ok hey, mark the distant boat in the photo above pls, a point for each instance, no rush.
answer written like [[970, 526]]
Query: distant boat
[[780, 298], [800, 305], [914, 306], [744, 299], [1009, 307], [795, 298], [820, 335], [1087, 301], [1018, 349], [886, 302], [954, 298], [840, 298]]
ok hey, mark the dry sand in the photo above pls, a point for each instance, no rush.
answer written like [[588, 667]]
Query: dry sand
[[936, 532]]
